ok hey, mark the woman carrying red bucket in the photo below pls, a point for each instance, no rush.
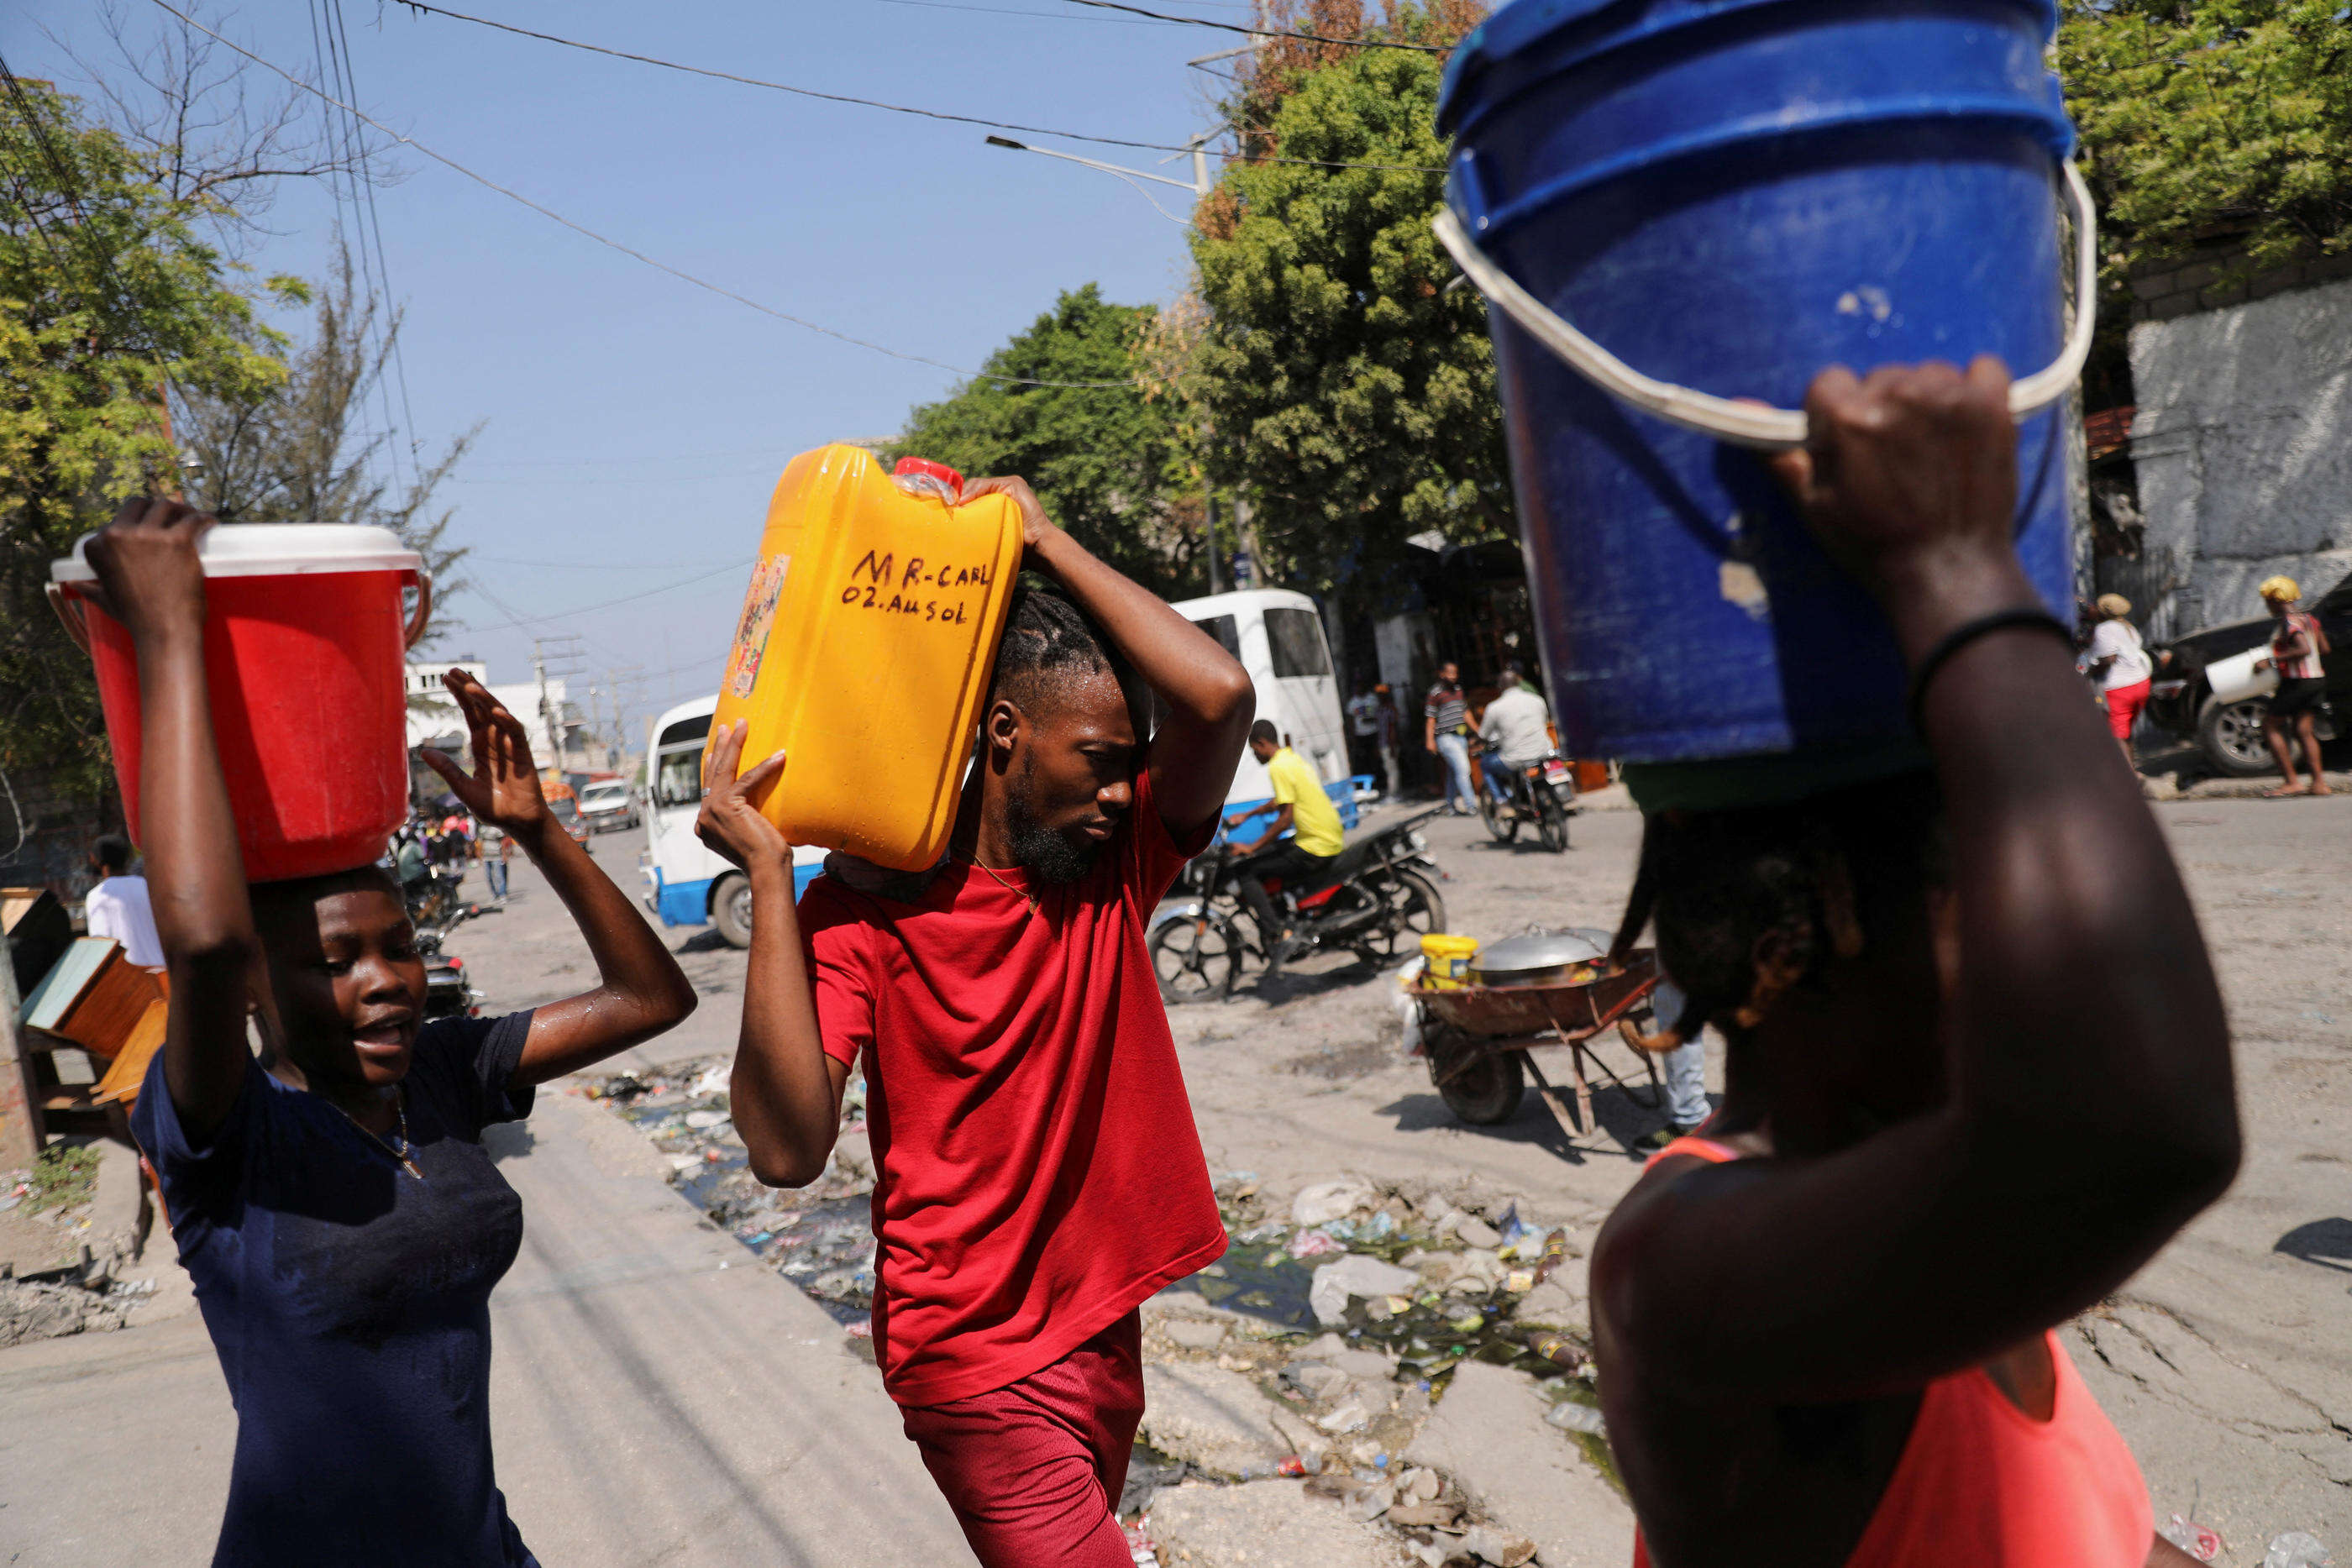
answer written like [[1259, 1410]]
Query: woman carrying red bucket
[[331, 1200]]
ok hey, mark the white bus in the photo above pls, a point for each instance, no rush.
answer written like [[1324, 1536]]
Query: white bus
[[685, 884], [1277, 635]]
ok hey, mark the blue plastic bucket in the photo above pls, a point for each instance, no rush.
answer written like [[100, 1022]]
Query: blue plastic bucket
[[1730, 196]]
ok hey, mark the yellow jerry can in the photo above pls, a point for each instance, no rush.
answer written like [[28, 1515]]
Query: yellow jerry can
[[864, 652]]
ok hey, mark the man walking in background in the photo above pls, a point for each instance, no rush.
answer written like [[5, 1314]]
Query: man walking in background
[[1391, 736], [118, 906], [2295, 649], [1446, 716]]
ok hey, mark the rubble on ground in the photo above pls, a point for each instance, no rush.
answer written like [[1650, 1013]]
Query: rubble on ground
[[820, 1237], [1297, 1387], [71, 1227], [51, 1309]]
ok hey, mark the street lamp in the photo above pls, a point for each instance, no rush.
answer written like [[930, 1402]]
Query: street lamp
[[1199, 187], [1197, 184]]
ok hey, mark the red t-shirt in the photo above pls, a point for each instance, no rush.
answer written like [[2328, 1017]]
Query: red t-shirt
[[1038, 1173]]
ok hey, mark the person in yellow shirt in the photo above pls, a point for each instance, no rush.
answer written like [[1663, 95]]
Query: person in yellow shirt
[[1302, 810]]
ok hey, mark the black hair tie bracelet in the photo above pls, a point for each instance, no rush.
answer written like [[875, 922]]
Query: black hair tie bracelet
[[1967, 631]]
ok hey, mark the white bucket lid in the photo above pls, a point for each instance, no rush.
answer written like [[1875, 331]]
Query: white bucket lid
[[275, 549]]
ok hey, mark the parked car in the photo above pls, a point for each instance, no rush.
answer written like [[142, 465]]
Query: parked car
[[610, 804], [2230, 733], [567, 811]]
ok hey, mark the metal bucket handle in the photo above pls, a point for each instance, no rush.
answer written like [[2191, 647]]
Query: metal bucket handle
[[1760, 425]]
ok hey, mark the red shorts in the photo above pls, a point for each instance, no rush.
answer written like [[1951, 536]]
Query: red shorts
[[1034, 1469], [2124, 704]]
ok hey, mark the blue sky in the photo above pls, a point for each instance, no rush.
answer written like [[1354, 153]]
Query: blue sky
[[634, 424]]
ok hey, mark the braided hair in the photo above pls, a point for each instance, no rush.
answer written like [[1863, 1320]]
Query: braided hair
[[1049, 643], [1818, 874]]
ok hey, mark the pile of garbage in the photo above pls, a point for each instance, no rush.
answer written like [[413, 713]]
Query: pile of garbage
[[1430, 1275], [1350, 1308], [820, 1237]]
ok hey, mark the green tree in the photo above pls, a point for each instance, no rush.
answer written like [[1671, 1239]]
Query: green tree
[[2204, 119], [1105, 460], [2199, 113], [1352, 393], [108, 294]]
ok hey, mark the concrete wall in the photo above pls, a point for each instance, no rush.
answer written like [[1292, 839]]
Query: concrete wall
[[2243, 448]]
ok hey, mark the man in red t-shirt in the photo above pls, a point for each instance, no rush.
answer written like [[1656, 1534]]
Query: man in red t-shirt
[[1038, 1173]]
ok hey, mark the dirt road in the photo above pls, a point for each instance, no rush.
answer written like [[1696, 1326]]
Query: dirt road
[[2226, 1362]]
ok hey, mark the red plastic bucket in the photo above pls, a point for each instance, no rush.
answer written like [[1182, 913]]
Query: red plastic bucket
[[305, 638]]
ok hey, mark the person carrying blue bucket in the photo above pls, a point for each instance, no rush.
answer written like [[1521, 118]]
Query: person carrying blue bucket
[[1977, 1069]]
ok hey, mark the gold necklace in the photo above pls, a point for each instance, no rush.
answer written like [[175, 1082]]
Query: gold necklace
[[402, 1154], [1027, 898]]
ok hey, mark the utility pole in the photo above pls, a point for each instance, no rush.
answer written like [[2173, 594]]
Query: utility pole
[[1200, 185], [550, 708], [1209, 498]]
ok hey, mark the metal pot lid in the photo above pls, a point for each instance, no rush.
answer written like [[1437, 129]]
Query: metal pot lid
[[1542, 950]]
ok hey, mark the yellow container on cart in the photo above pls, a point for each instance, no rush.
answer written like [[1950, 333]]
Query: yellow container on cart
[[863, 652], [1448, 958]]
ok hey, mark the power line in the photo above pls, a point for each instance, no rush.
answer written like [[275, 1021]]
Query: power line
[[1000, 11], [366, 182], [904, 108], [1254, 32], [344, 180], [582, 565], [763, 475], [608, 603], [684, 277]]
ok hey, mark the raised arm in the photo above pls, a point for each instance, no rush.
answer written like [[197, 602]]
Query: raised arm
[[1274, 829], [146, 564], [1209, 696], [2093, 1110], [784, 1094], [640, 991]]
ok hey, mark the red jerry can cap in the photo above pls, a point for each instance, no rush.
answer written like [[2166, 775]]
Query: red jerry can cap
[[924, 465]]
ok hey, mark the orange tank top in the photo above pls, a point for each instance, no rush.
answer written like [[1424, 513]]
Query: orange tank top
[[1982, 1483]]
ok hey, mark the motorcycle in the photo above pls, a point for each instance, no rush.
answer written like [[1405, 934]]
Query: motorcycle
[[448, 992], [1374, 900], [1542, 793]]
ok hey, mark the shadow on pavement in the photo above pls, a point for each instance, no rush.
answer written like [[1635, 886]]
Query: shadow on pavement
[[2326, 1242]]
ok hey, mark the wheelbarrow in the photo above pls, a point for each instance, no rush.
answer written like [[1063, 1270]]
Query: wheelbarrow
[[1477, 1040]]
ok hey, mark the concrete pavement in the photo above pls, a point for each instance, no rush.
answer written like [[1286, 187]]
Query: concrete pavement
[[655, 1399]]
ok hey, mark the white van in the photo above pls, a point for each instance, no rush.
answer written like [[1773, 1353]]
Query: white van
[[1277, 635], [685, 884]]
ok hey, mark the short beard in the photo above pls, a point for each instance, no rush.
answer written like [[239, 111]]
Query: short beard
[[1039, 850]]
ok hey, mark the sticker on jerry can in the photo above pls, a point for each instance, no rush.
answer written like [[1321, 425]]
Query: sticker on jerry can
[[759, 619]]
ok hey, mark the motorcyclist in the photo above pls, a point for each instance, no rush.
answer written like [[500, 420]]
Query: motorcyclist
[[1516, 725], [1305, 811]]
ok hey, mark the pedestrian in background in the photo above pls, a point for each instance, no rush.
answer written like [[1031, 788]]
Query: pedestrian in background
[[1681, 1062], [2295, 648], [118, 906], [1445, 716], [1391, 735], [2119, 661], [497, 850], [1363, 727]]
